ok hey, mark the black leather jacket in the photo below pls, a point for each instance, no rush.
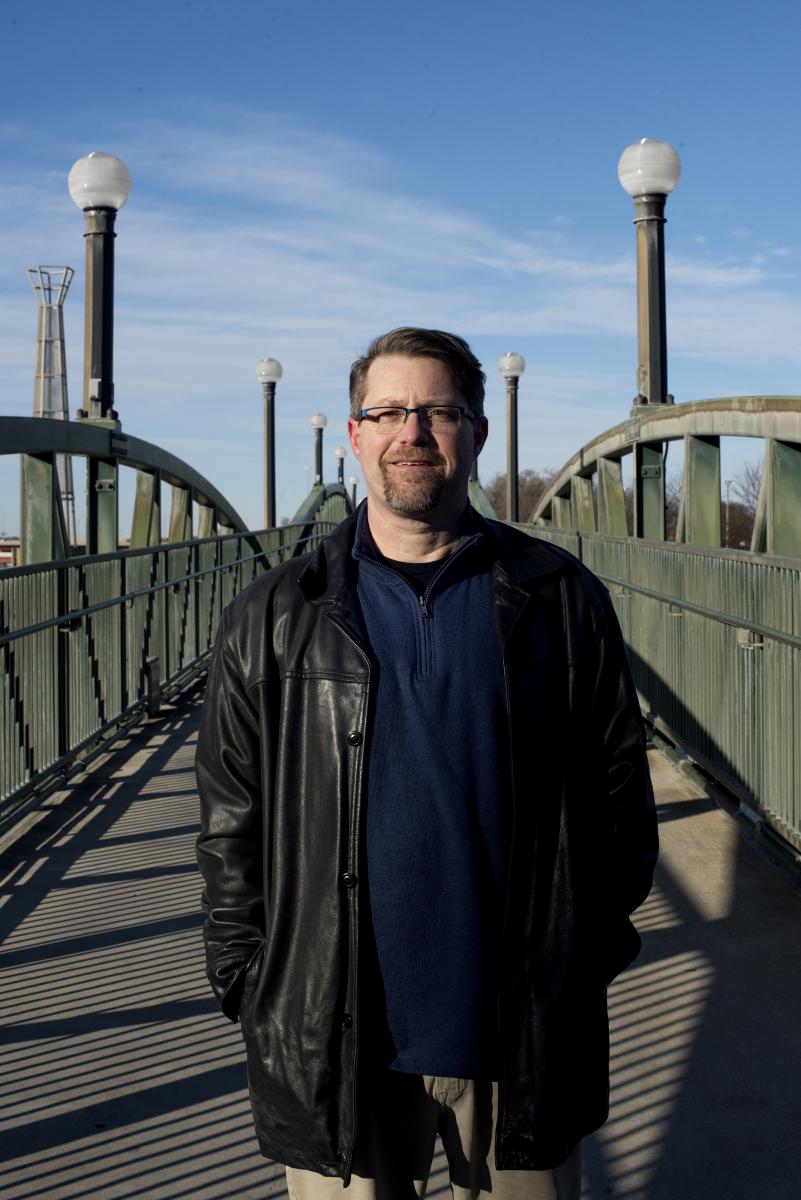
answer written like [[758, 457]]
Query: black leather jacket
[[281, 770]]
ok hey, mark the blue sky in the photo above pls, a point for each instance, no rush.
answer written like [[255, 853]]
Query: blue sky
[[308, 175]]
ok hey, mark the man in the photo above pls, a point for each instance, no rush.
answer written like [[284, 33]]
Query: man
[[426, 818]]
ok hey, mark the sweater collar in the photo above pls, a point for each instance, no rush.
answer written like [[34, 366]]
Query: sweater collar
[[330, 572], [364, 546]]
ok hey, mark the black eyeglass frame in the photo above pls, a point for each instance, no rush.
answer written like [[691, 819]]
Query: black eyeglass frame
[[463, 411]]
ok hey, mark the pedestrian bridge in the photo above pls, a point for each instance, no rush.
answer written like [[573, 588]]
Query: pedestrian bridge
[[122, 1080]]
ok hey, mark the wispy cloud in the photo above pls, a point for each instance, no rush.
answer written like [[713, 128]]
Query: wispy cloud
[[247, 234]]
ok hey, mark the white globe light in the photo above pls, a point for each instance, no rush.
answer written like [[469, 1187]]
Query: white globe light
[[354, 479], [99, 180], [318, 420], [511, 366], [649, 168], [269, 370], [340, 452]]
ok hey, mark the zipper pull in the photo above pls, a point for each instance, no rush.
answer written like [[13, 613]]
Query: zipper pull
[[423, 609]]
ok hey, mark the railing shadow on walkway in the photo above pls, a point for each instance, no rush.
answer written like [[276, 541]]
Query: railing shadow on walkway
[[706, 1026], [120, 1079]]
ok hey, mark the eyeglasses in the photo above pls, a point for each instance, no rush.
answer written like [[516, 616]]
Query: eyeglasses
[[439, 418]]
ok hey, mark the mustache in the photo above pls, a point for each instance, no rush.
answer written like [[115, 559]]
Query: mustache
[[431, 460]]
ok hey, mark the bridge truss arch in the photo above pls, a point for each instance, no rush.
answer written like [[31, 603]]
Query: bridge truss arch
[[40, 444], [588, 492]]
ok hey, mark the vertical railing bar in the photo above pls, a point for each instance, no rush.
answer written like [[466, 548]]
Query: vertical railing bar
[[63, 665], [123, 633], [167, 624]]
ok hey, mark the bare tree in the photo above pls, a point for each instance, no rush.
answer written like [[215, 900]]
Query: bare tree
[[530, 486], [746, 484], [739, 527], [738, 515], [672, 500]]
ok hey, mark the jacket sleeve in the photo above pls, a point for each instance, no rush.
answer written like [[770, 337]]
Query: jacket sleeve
[[229, 845], [619, 724]]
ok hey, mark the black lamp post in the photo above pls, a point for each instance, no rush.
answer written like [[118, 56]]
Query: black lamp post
[[340, 454], [99, 184], [511, 366], [318, 422], [649, 171], [268, 372]]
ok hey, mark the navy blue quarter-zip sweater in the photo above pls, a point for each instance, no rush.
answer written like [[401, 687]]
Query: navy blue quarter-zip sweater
[[434, 825]]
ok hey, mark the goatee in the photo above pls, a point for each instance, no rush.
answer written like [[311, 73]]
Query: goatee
[[417, 494]]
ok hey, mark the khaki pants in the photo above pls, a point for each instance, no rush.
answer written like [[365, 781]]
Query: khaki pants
[[397, 1130]]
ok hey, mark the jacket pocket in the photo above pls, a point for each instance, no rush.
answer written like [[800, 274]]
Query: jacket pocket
[[250, 978], [232, 977]]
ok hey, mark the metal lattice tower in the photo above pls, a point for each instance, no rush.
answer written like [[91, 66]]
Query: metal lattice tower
[[50, 285]]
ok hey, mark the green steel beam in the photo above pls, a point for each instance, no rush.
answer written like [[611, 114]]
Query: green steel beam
[[206, 521], [582, 503], [701, 491], [180, 515], [561, 515], [759, 534], [146, 522], [649, 491], [43, 529], [783, 495], [612, 516], [102, 506]]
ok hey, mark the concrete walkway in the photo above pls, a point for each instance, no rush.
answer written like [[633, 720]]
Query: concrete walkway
[[120, 1079]]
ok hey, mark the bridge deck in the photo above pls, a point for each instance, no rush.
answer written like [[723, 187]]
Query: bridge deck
[[120, 1079]]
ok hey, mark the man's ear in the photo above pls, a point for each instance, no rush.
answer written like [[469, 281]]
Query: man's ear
[[480, 431], [354, 432]]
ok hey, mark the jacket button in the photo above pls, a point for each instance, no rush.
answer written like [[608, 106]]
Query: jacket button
[[349, 879], [355, 737], [347, 1021]]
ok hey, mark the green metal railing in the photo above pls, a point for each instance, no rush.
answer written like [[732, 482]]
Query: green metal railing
[[87, 644], [714, 640], [714, 635]]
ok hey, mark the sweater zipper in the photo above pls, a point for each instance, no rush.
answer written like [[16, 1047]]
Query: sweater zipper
[[422, 599]]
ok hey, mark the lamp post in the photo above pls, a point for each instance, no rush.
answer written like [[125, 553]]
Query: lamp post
[[511, 366], [318, 422], [268, 372], [99, 184], [649, 171], [340, 454], [353, 481]]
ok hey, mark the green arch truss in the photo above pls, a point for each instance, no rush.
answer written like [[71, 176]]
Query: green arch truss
[[106, 448], [588, 493]]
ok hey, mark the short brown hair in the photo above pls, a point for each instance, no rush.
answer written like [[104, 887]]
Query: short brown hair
[[449, 348]]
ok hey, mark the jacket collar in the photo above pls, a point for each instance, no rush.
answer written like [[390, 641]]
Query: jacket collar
[[522, 559]]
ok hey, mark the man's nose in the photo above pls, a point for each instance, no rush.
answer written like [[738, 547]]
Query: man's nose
[[414, 430]]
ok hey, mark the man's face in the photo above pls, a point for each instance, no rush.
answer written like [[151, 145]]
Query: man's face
[[413, 471]]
